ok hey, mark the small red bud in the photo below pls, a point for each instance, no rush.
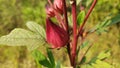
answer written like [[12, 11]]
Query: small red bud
[[50, 11], [82, 8], [55, 35], [58, 5]]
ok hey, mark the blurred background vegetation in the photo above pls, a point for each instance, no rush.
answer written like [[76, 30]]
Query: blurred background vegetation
[[15, 13]]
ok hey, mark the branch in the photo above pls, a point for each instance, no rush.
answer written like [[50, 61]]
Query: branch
[[82, 55], [86, 17], [74, 42], [67, 27]]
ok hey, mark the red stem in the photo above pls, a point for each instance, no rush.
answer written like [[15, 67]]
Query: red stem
[[65, 14], [87, 15], [49, 1], [66, 25], [74, 46]]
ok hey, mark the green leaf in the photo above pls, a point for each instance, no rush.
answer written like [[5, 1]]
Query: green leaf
[[38, 29], [101, 64], [38, 56], [58, 65], [93, 60], [83, 60], [80, 17], [97, 61], [70, 20], [98, 64], [103, 55], [22, 37], [114, 20], [101, 27], [86, 66], [51, 57], [84, 44], [104, 23]]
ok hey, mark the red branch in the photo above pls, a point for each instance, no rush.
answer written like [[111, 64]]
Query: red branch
[[67, 28], [74, 43], [87, 15]]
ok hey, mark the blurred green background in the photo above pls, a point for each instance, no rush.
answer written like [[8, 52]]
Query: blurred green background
[[15, 13]]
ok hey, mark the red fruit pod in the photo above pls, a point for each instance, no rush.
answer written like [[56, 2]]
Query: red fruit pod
[[55, 35], [58, 5]]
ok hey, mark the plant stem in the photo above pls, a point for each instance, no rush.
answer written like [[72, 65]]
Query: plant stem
[[74, 43], [67, 28], [87, 15], [82, 55], [65, 15], [49, 1]]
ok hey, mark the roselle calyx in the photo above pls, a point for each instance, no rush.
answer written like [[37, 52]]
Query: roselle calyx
[[58, 5], [55, 35], [50, 11]]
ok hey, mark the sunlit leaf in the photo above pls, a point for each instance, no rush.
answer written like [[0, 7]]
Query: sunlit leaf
[[98, 64], [86, 66], [101, 64], [104, 54], [70, 21], [38, 29], [22, 37], [101, 56], [80, 17]]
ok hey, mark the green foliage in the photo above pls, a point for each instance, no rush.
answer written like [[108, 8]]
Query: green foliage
[[104, 55], [101, 56], [39, 57], [98, 64], [80, 17], [97, 61], [114, 20], [36, 28], [14, 13], [101, 27], [58, 65], [44, 61], [84, 44], [86, 66], [70, 21], [101, 64], [51, 57], [22, 37]]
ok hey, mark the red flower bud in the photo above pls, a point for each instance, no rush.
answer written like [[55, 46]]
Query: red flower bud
[[56, 36], [58, 5], [82, 8], [50, 11]]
